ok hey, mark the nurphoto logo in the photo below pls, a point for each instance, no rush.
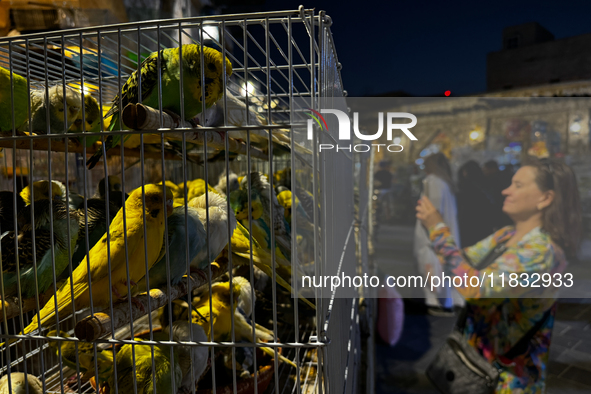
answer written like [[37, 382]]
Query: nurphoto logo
[[344, 124]]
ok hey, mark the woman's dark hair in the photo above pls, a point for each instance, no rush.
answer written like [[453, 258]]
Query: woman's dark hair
[[437, 164], [470, 172], [561, 219]]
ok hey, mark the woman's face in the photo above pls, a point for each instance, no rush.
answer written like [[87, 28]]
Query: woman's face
[[523, 198]]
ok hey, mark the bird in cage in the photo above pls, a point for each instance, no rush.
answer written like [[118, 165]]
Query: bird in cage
[[21, 384], [82, 355], [125, 250], [193, 360], [38, 262], [19, 96], [7, 209], [227, 301], [41, 190], [165, 369], [196, 188], [226, 186], [242, 248], [217, 222], [92, 120], [304, 224], [180, 235], [261, 189], [53, 110], [113, 184], [178, 192], [164, 66]]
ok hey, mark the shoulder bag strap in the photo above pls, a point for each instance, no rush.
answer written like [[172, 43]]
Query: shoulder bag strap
[[521, 346]]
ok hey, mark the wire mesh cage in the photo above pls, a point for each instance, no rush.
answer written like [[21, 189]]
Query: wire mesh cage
[[160, 199]]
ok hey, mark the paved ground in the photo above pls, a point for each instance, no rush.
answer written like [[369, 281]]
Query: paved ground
[[400, 369]]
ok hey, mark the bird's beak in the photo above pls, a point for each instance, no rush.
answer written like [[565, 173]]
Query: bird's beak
[[169, 207]]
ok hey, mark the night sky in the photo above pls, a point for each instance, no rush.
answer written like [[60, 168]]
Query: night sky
[[425, 48]]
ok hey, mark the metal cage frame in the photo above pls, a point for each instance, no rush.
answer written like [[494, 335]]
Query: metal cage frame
[[290, 55]]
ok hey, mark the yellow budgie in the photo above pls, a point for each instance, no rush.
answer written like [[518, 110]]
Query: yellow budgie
[[221, 315], [98, 257], [41, 191]]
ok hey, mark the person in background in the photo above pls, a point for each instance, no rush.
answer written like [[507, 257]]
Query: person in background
[[543, 202], [438, 186], [383, 184], [476, 205], [383, 177]]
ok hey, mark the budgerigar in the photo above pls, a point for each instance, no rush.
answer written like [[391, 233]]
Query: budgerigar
[[304, 224], [92, 120], [170, 76], [41, 190], [219, 220], [178, 236], [113, 183], [85, 352], [20, 97], [196, 188], [192, 359], [221, 313], [48, 113], [241, 251], [32, 282], [156, 208], [21, 385], [261, 189], [144, 374], [224, 187]]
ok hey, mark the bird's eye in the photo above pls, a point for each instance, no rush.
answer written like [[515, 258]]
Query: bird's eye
[[212, 67], [61, 110]]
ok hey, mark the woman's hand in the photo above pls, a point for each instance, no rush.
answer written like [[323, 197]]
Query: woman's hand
[[427, 213]]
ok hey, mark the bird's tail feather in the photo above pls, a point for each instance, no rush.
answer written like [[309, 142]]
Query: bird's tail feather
[[271, 352], [266, 268]]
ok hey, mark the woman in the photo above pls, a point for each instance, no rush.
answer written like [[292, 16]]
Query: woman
[[476, 206], [543, 202], [439, 188]]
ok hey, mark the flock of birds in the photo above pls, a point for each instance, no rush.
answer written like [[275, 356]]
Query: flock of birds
[[107, 248], [72, 107], [97, 248]]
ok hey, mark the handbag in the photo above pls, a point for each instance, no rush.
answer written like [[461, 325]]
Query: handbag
[[458, 368]]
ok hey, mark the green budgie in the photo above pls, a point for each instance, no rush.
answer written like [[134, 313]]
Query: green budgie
[[144, 374], [92, 121], [170, 75], [60, 117], [21, 99], [43, 255]]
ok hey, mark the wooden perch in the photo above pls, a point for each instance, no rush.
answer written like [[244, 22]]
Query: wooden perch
[[12, 309], [59, 145], [98, 325], [142, 117]]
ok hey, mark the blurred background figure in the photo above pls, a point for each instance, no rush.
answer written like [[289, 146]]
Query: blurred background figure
[[383, 186], [438, 186], [477, 208]]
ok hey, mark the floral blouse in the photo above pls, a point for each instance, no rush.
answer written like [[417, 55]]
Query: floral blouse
[[498, 316]]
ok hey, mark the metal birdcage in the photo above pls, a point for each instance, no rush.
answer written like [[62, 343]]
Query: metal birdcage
[[282, 63]]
